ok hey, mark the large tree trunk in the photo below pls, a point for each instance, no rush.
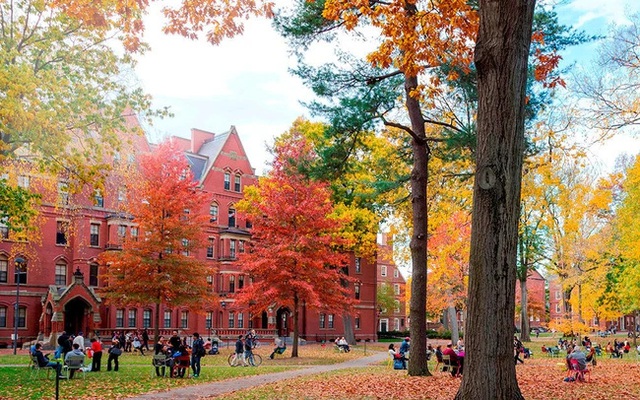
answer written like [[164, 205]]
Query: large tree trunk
[[453, 320], [524, 317], [501, 55], [296, 328], [347, 323], [418, 245]]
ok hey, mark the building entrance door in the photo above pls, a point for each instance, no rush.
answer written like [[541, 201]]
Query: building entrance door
[[75, 320]]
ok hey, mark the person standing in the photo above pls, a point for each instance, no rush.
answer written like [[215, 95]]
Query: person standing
[[79, 340], [96, 347], [145, 339], [404, 347], [239, 352], [174, 341], [197, 353], [64, 345], [114, 353]]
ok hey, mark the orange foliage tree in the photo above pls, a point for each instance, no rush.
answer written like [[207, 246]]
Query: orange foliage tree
[[158, 267], [296, 252]]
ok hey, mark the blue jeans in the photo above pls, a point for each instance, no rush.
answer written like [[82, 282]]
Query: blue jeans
[[195, 364], [56, 366]]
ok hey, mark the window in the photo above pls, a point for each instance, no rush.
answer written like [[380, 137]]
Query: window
[[134, 233], [210, 245], [209, 279], [322, 316], [184, 319], [232, 248], [4, 231], [241, 246], [146, 319], [94, 235], [22, 317], [396, 308], [132, 318], [231, 320], [396, 324], [122, 194], [395, 272], [185, 247], [167, 319], [232, 218], [20, 274], [558, 297], [358, 265], [383, 270], [227, 181], [3, 317], [213, 212], [93, 274], [61, 273], [208, 320], [119, 318], [23, 181], [357, 322], [122, 231], [240, 320], [330, 321], [558, 308], [61, 232], [232, 284], [63, 192], [116, 158], [356, 290], [236, 183], [396, 289], [4, 264], [98, 199], [240, 282], [248, 224]]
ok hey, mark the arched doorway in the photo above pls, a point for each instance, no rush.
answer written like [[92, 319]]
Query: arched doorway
[[75, 316], [282, 321], [48, 312]]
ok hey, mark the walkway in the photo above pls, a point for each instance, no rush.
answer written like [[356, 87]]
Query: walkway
[[212, 389]]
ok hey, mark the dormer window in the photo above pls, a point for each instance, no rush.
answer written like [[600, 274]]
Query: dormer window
[[236, 183], [227, 181]]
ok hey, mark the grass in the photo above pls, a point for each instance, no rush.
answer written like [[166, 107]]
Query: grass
[[137, 376]]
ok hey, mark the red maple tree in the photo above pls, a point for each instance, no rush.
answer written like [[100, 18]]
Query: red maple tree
[[296, 251], [158, 267]]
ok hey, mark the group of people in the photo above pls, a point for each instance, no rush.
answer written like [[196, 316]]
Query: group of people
[[401, 355], [244, 349], [617, 349], [132, 340], [69, 345], [176, 349]]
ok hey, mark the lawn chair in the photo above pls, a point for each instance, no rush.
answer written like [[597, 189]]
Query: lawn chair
[[35, 368], [578, 373], [160, 361], [73, 362]]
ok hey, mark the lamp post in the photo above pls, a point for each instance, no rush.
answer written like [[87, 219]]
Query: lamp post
[[19, 264]]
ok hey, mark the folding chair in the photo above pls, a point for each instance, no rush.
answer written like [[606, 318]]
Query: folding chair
[[35, 368], [446, 363], [578, 373], [160, 361], [73, 362]]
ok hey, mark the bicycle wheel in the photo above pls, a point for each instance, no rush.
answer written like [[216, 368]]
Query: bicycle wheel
[[231, 359], [256, 360]]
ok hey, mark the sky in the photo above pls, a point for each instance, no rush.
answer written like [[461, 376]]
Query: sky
[[245, 81]]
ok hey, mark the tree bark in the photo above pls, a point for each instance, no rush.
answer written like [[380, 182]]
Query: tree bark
[[524, 317], [347, 323], [156, 324], [296, 329], [501, 54], [453, 320], [418, 245]]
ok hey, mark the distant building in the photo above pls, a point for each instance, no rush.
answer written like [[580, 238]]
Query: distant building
[[535, 300], [60, 290], [389, 275]]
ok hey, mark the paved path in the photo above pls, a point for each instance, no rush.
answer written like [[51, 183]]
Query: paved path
[[212, 389]]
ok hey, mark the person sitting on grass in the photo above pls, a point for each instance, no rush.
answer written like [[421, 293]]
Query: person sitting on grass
[[279, 349], [43, 362]]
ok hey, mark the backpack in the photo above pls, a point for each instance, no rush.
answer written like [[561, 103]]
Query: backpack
[[198, 347]]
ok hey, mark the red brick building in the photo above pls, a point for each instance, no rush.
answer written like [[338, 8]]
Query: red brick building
[[60, 289], [388, 274], [535, 299]]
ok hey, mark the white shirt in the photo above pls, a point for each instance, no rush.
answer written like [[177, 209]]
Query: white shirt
[[80, 341]]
